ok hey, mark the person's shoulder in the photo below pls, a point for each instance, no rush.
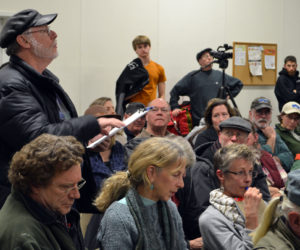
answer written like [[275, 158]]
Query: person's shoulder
[[156, 64], [10, 76], [214, 216], [172, 205], [208, 214], [117, 210]]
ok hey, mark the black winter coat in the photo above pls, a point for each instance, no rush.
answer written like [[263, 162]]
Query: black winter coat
[[284, 88], [28, 108]]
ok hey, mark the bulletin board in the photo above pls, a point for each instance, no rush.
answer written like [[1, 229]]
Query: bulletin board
[[266, 74]]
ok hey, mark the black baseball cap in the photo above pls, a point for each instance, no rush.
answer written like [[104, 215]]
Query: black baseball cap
[[21, 22], [260, 103], [133, 107], [200, 54]]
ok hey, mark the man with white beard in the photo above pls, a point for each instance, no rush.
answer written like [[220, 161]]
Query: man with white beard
[[261, 115], [31, 100]]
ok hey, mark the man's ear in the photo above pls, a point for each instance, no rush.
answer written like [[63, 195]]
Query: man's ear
[[22, 41], [294, 222], [250, 114]]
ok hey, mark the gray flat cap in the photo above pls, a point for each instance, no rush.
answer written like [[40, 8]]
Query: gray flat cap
[[236, 122]]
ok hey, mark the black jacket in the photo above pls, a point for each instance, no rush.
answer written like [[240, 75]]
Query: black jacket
[[28, 108], [131, 81], [284, 88], [200, 87]]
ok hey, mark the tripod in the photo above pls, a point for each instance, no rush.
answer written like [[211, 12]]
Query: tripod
[[224, 90]]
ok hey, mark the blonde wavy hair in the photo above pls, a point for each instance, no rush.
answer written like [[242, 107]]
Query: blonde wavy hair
[[157, 151]]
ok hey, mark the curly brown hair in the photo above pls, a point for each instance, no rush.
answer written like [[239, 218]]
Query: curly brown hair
[[42, 159]]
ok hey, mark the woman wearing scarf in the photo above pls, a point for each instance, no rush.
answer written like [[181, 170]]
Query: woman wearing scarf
[[138, 211], [235, 207]]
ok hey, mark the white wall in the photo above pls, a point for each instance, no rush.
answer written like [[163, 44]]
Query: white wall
[[94, 37]]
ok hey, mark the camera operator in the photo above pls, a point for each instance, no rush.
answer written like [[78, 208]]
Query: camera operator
[[201, 86]]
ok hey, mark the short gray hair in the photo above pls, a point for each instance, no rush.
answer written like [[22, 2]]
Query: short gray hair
[[226, 155]]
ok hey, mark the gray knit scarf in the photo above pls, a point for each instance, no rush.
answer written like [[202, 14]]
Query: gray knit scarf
[[148, 239]]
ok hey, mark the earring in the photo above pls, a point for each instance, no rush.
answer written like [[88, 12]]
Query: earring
[[151, 186]]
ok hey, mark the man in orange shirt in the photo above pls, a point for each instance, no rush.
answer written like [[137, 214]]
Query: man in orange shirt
[[157, 77]]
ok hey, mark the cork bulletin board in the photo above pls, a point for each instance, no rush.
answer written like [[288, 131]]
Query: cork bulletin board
[[251, 69]]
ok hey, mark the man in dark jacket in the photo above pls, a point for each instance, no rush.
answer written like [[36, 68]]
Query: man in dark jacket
[[201, 86], [287, 87], [46, 177], [31, 100]]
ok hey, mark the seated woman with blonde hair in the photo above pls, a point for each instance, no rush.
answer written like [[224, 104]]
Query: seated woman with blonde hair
[[138, 211], [235, 207]]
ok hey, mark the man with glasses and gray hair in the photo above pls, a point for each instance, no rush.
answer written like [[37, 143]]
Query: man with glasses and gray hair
[[46, 177], [31, 100], [261, 115], [157, 122]]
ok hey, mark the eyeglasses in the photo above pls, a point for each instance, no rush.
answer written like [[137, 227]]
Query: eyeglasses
[[156, 109], [243, 174], [239, 135], [294, 117], [67, 189], [46, 30]]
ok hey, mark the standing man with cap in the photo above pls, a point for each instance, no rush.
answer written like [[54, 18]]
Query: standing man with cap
[[201, 86], [31, 100], [287, 87], [261, 115]]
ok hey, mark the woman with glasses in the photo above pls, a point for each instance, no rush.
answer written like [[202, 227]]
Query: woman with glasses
[[138, 211], [235, 206], [288, 128]]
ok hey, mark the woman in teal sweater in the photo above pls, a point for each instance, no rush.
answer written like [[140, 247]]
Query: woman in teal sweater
[[138, 211]]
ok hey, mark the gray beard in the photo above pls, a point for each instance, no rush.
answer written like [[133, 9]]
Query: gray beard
[[40, 51], [261, 125]]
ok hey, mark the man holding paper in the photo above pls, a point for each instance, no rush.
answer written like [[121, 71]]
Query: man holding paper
[[31, 100]]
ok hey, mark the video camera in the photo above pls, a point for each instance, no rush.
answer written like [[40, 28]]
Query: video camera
[[222, 55]]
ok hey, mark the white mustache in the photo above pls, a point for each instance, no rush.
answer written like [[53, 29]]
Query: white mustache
[[262, 120]]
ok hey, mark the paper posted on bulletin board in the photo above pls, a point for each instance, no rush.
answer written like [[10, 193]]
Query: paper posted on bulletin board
[[255, 63]]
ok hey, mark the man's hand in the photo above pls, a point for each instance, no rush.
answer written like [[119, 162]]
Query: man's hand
[[196, 243], [109, 122], [176, 112], [103, 146], [269, 132]]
